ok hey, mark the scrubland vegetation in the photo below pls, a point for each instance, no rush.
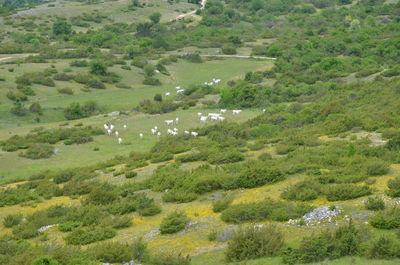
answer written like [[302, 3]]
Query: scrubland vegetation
[[319, 127]]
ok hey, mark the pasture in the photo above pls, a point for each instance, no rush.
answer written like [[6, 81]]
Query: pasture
[[112, 98]]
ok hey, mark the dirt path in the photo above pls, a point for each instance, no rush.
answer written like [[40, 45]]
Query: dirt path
[[5, 58], [182, 16]]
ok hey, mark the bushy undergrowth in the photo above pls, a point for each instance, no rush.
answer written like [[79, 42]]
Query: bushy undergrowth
[[173, 223], [254, 242], [264, 210]]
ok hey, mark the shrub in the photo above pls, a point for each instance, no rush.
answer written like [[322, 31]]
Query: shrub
[[173, 223], [383, 247], [264, 210], [65, 90], [25, 231], [130, 174], [160, 157], [140, 251], [302, 191], [38, 151], [151, 81], [344, 241], [376, 167], [63, 176], [225, 157], [229, 49], [89, 235], [222, 204], [12, 220], [374, 204], [169, 259], [113, 252], [68, 226], [254, 242], [394, 187], [346, 192], [45, 260], [387, 219]]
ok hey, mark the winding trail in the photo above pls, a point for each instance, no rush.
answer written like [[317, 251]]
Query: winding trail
[[182, 16]]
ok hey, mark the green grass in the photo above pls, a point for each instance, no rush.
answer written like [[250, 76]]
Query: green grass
[[12, 166], [182, 73]]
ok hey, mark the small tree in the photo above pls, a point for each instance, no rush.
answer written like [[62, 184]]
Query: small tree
[[173, 223], [155, 17], [62, 27], [35, 108], [158, 97], [98, 68]]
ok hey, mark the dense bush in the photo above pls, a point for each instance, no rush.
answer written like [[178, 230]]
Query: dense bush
[[12, 220], [302, 191], [89, 235], [383, 247], [265, 210], [38, 151], [169, 259], [222, 204], [374, 204], [394, 187], [344, 241], [346, 192], [387, 219], [113, 252], [174, 222], [160, 157], [76, 111], [254, 242]]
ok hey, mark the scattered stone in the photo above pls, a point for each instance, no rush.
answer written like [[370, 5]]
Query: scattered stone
[[44, 228], [320, 214]]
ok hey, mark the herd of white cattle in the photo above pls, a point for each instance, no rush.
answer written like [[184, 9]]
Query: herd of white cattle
[[111, 129], [179, 90]]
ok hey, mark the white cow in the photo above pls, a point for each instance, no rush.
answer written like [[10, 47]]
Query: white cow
[[221, 118], [119, 140], [109, 132], [141, 135], [180, 91], [199, 113], [236, 111], [214, 118], [177, 120], [125, 126], [155, 128], [175, 129], [169, 131], [264, 110], [105, 127], [169, 122], [112, 127], [194, 134], [153, 131], [158, 134], [167, 94], [214, 114], [223, 110], [116, 133], [187, 132], [203, 118], [178, 87]]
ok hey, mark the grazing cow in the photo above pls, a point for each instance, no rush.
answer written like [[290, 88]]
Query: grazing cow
[[194, 134], [178, 87], [221, 118], [105, 127], [199, 113], [109, 132], [125, 126], [180, 91], [187, 132], [175, 129], [153, 131], [177, 120], [169, 131], [156, 128], [112, 127], [203, 118], [169, 122], [141, 135], [119, 140], [236, 111], [116, 133], [223, 110], [167, 94], [264, 110], [158, 134], [214, 118], [214, 114]]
